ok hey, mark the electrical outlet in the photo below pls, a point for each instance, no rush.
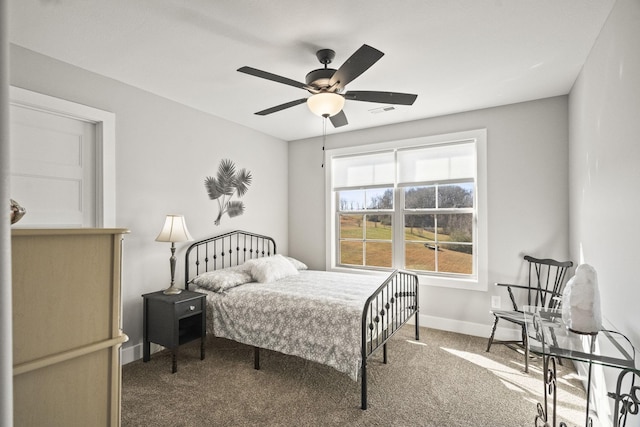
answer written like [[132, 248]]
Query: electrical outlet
[[495, 301]]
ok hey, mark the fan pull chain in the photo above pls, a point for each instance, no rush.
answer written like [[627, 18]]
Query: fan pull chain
[[324, 136]]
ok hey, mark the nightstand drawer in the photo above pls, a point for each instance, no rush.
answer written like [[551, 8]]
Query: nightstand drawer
[[189, 307]]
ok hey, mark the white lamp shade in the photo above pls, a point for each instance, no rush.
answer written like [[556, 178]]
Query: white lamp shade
[[174, 230], [325, 104]]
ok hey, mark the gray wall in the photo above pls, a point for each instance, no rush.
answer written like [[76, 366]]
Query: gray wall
[[527, 154], [604, 163], [164, 151], [604, 123]]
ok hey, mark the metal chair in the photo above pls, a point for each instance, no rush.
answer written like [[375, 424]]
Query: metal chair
[[546, 282]]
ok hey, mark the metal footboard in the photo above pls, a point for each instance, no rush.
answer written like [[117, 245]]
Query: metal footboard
[[387, 310]]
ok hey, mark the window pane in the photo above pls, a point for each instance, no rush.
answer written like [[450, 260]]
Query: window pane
[[419, 227], [425, 249], [351, 253], [455, 195], [378, 254], [380, 198], [351, 200], [379, 227], [455, 227], [420, 256], [351, 227], [423, 197], [455, 258], [420, 236]]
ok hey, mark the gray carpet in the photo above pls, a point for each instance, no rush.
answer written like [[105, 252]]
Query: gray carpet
[[445, 379]]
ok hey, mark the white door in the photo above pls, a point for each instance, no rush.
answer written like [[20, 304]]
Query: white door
[[53, 168]]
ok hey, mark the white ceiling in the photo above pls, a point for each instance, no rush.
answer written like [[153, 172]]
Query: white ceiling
[[457, 55]]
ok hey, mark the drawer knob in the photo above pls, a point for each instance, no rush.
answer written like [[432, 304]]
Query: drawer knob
[[192, 307]]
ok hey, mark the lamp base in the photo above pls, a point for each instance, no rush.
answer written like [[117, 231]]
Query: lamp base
[[172, 291]]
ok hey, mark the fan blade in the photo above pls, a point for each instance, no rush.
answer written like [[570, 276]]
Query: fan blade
[[381, 97], [357, 64], [272, 77], [339, 119], [281, 107]]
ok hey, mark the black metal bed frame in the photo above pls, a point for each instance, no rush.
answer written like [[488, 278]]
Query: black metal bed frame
[[384, 313]]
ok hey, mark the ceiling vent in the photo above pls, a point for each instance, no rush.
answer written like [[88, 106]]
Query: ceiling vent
[[382, 109]]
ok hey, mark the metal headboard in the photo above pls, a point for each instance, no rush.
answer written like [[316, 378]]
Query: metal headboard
[[226, 250]]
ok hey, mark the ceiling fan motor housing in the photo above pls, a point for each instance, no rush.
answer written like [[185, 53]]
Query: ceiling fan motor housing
[[320, 78]]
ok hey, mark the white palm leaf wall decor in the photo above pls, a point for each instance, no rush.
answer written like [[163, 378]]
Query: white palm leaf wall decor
[[227, 183]]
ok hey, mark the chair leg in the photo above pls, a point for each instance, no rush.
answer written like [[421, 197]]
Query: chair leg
[[525, 343], [493, 332]]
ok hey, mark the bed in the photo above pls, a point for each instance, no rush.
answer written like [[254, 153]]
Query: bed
[[265, 300]]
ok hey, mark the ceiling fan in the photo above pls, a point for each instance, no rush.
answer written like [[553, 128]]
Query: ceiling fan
[[327, 85]]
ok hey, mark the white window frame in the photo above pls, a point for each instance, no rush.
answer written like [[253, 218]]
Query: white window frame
[[477, 283]]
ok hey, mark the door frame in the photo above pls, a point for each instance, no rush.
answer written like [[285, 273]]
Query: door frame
[[105, 150]]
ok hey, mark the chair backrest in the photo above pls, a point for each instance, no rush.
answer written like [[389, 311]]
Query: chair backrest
[[546, 281]]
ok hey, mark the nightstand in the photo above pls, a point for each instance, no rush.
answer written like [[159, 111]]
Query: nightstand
[[173, 320]]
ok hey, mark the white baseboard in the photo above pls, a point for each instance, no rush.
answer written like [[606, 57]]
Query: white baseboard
[[134, 352], [468, 328], [131, 354]]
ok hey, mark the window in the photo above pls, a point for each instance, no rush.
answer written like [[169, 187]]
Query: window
[[412, 205]]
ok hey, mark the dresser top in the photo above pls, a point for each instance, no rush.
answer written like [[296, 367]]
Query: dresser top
[[66, 231]]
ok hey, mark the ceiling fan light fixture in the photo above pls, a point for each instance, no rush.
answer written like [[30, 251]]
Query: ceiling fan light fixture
[[325, 104]]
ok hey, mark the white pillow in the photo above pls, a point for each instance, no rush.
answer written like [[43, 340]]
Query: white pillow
[[299, 265], [226, 278], [270, 269]]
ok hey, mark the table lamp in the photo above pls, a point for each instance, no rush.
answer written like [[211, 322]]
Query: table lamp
[[174, 230]]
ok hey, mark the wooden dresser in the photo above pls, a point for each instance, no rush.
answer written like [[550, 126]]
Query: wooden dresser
[[67, 330]]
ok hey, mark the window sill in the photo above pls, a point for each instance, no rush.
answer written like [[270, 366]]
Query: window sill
[[434, 281], [452, 283]]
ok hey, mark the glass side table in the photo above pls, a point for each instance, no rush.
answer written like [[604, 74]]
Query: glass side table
[[549, 337]]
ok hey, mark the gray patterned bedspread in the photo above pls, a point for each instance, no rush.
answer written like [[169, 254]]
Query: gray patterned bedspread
[[315, 315]]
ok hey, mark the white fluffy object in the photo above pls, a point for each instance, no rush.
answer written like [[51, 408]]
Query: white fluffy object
[[271, 268], [581, 301]]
